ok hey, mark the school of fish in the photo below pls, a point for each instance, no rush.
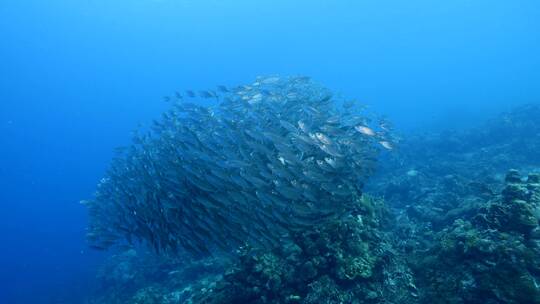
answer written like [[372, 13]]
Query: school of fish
[[268, 158]]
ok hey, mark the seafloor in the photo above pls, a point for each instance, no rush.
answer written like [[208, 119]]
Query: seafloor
[[450, 217]]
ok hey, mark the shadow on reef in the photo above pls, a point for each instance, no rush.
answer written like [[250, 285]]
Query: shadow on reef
[[447, 221]]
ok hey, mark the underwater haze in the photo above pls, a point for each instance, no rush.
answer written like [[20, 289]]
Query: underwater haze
[[78, 77]]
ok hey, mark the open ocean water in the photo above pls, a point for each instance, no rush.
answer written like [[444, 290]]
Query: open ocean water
[[457, 80]]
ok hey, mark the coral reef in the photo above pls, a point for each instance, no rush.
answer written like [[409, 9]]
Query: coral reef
[[141, 276], [448, 221], [491, 257], [346, 261]]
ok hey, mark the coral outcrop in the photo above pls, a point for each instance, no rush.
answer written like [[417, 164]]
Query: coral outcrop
[[346, 261], [491, 257]]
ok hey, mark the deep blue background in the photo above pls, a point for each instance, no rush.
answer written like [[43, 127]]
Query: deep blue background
[[77, 76]]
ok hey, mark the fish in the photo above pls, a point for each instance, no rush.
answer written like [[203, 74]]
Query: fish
[[265, 160], [349, 104], [289, 192], [323, 138], [333, 162], [223, 89], [269, 80], [331, 150], [255, 98], [365, 130], [205, 94], [324, 166], [387, 145], [303, 126], [277, 139], [288, 126], [301, 79]]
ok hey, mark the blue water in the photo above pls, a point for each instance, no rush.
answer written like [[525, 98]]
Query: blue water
[[77, 76]]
